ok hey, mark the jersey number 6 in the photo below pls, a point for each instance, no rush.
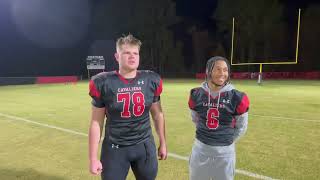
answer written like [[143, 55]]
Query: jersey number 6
[[212, 121], [138, 103]]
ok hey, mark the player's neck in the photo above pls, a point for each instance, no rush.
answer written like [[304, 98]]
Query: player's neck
[[127, 74], [213, 87]]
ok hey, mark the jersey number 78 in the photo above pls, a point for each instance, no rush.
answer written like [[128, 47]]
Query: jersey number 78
[[138, 103]]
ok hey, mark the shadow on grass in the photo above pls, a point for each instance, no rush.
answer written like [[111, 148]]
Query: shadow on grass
[[26, 174]]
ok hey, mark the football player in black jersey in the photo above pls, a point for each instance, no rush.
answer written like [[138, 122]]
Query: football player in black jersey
[[220, 113], [122, 101]]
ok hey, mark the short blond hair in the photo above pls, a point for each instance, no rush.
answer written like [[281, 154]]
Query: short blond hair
[[128, 39]]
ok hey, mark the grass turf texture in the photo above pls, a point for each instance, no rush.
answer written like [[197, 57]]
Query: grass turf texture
[[282, 140]]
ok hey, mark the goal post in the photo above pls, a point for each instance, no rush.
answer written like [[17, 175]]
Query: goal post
[[280, 62]]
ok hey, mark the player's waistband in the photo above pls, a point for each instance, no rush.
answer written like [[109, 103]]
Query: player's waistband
[[213, 150], [108, 142]]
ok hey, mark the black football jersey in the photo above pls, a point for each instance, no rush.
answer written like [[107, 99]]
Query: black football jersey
[[216, 122], [127, 103]]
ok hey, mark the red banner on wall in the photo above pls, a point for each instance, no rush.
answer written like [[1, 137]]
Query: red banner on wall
[[56, 79]]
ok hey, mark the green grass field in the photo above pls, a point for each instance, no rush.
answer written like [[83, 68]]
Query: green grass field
[[282, 141]]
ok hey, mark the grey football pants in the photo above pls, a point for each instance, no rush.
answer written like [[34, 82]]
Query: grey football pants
[[212, 162]]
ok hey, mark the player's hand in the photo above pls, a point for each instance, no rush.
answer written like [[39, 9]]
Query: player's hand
[[95, 167], [162, 152]]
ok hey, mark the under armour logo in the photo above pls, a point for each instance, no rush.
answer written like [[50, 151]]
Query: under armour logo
[[114, 146], [140, 82], [226, 101]]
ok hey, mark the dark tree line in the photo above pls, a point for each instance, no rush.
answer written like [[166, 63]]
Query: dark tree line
[[262, 33]]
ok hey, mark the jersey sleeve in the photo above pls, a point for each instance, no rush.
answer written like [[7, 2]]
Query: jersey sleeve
[[241, 126], [242, 103], [95, 91], [195, 117], [157, 86]]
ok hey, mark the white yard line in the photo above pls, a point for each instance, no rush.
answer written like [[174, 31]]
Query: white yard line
[[42, 124], [173, 155], [288, 118]]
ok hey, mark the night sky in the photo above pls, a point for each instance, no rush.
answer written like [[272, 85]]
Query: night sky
[[202, 12], [34, 51]]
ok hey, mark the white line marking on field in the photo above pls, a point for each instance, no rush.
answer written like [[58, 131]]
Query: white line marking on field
[[43, 124], [239, 171], [176, 156], [288, 118]]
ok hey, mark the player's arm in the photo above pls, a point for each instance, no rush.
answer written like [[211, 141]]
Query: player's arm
[[96, 124], [95, 132], [159, 123], [194, 116], [241, 117], [192, 105], [240, 126]]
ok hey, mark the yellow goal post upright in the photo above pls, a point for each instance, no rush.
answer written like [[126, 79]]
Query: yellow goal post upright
[[265, 63]]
